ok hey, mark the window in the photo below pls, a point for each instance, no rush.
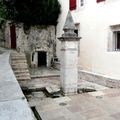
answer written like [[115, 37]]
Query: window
[[99, 1], [116, 37], [76, 31], [81, 3]]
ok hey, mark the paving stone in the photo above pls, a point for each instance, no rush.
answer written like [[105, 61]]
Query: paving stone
[[93, 113], [103, 118], [74, 108], [62, 99], [52, 89], [39, 95], [15, 110], [97, 93], [59, 118], [51, 114], [116, 116], [90, 85], [13, 105]]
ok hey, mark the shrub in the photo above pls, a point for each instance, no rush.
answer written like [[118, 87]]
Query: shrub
[[33, 12], [2, 11]]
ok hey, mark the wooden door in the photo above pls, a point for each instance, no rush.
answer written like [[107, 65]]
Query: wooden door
[[13, 36]]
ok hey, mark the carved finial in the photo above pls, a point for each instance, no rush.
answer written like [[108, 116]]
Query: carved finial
[[69, 26]]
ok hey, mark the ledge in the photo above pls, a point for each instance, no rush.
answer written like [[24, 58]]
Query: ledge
[[13, 104]]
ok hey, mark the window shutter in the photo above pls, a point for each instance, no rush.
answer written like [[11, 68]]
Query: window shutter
[[100, 1], [72, 4]]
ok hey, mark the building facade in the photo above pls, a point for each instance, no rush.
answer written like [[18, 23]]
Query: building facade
[[98, 23], [38, 42]]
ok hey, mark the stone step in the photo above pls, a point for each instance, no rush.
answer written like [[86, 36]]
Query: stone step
[[45, 76], [18, 58], [17, 54], [20, 68], [22, 75], [18, 61], [23, 78], [21, 71], [21, 65]]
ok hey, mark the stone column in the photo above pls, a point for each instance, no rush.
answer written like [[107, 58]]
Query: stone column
[[69, 57]]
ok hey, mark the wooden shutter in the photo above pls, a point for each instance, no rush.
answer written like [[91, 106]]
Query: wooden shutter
[[72, 4], [100, 1]]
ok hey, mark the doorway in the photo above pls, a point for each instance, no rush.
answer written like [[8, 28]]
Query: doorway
[[42, 61], [13, 36]]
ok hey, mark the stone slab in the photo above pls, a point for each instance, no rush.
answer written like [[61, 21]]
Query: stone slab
[[13, 104], [15, 110], [9, 91], [62, 99], [9, 87]]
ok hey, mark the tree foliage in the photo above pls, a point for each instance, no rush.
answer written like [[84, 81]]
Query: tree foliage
[[2, 11], [33, 12]]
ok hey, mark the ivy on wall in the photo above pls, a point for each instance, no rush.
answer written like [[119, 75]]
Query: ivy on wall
[[33, 12]]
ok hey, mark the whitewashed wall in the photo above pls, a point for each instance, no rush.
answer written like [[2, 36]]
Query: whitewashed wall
[[95, 20], [61, 22]]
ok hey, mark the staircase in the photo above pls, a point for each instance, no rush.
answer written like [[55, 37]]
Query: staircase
[[20, 67]]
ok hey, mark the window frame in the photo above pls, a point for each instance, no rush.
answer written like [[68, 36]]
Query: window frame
[[112, 41], [80, 3], [115, 40]]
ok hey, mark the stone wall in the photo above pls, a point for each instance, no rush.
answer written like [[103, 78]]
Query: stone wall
[[33, 40], [7, 34], [36, 39], [2, 39], [99, 79]]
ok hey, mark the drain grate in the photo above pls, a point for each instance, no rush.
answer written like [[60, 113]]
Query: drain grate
[[62, 104], [99, 97]]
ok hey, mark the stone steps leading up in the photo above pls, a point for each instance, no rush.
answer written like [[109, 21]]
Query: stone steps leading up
[[19, 66]]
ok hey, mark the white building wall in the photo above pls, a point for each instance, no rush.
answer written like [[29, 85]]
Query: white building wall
[[61, 22], [95, 20]]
